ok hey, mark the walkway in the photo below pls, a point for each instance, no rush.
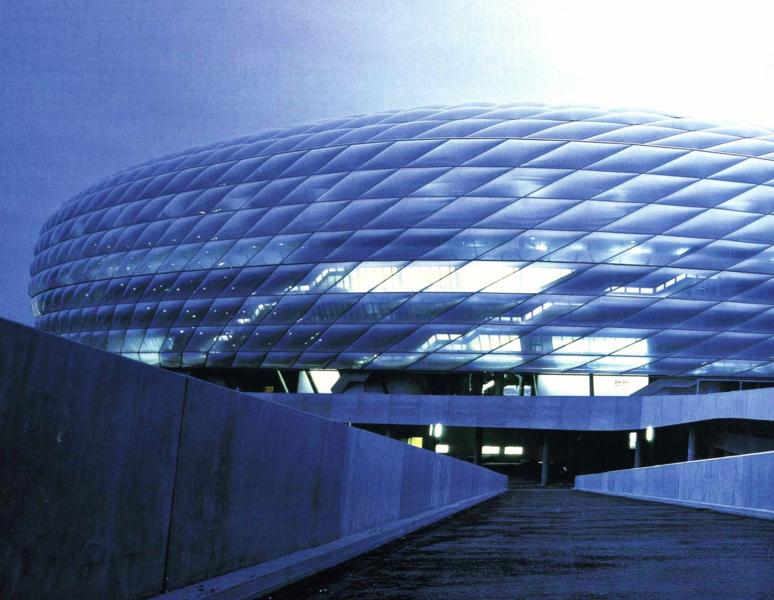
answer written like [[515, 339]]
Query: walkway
[[558, 543]]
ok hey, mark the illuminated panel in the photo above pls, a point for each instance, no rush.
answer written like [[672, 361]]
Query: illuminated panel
[[474, 238], [530, 280], [367, 276], [604, 345], [416, 276], [475, 275], [485, 342], [649, 291], [320, 279]]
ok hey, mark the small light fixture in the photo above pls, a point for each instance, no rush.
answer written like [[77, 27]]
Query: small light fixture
[[632, 440], [490, 450], [442, 448], [650, 433], [513, 450]]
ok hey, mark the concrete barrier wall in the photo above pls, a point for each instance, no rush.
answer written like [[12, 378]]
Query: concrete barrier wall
[[257, 481], [578, 413], [119, 480], [742, 485]]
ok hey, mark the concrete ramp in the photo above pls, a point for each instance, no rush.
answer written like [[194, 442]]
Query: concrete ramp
[[741, 485], [119, 480]]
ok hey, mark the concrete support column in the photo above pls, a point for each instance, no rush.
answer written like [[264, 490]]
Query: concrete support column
[[691, 454], [544, 466], [638, 449], [478, 440]]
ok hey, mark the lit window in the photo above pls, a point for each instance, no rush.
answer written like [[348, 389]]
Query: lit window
[[366, 276], [437, 340], [442, 448], [632, 440], [485, 342], [414, 441], [417, 276], [490, 450], [605, 345], [563, 385], [530, 280], [513, 450], [437, 276], [324, 380], [649, 291], [474, 276], [321, 280], [535, 312], [650, 433]]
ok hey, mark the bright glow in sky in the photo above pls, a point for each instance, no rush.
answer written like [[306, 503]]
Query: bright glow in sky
[[90, 88]]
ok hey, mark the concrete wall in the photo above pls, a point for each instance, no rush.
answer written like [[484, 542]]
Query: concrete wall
[[119, 480], [579, 413], [741, 485]]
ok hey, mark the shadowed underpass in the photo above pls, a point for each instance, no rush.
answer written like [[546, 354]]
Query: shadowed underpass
[[559, 543]]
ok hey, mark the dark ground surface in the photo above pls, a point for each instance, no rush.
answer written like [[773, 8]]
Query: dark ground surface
[[557, 543]]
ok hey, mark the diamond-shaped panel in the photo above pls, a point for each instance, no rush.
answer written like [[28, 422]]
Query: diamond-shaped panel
[[519, 237]]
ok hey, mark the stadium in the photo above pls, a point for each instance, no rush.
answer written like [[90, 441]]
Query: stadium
[[517, 240]]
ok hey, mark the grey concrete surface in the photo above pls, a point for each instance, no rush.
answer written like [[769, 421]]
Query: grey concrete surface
[[120, 480], [579, 413], [88, 443], [250, 582], [742, 485], [257, 481], [561, 544]]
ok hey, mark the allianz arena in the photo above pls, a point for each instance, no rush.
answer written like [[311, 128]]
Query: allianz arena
[[479, 238]]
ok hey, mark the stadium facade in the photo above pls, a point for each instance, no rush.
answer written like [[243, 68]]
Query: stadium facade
[[466, 249]]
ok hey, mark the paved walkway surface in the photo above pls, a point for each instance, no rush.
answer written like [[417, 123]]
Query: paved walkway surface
[[557, 543]]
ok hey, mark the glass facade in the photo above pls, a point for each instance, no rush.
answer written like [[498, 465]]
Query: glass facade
[[473, 238]]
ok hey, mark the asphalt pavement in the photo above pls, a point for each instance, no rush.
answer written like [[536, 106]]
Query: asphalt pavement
[[558, 543]]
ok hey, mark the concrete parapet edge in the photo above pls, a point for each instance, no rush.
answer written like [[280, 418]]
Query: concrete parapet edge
[[566, 413], [738, 485], [266, 577], [756, 513]]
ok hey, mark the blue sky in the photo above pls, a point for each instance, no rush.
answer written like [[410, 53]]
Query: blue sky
[[88, 88]]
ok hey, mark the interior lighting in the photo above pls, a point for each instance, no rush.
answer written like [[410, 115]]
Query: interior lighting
[[366, 276], [474, 276], [513, 450], [648, 291], [490, 450], [529, 280], [416, 276], [442, 448], [437, 340]]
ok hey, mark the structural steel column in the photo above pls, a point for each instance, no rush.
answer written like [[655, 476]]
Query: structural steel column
[[638, 449], [691, 455], [544, 466]]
